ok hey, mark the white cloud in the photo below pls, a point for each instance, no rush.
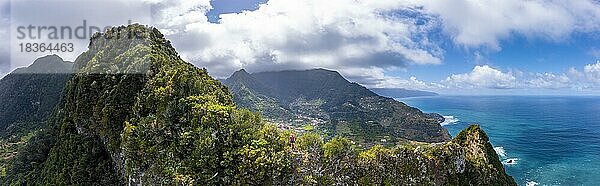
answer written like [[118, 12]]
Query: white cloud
[[588, 77], [475, 23], [489, 78], [375, 78], [482, 77], [365, 39], [285, 34], [547, 81], [410, 83], [174, 16], [592, 72]]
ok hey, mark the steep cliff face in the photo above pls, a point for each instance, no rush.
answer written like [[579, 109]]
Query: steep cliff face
[[482, 167], [468, 159], [130, 77], [135, 113]]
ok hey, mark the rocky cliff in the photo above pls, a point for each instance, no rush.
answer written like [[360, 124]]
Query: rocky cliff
[[135, 113]]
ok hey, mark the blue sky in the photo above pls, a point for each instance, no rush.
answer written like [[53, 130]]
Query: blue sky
[[451, 47], [517, 52], [231, 6]]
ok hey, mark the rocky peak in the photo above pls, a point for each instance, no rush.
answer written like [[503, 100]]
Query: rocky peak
[[482, 161], [240, 74], [50, 64]]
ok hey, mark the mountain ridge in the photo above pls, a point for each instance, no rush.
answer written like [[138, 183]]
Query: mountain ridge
[[135, 113], [29, 96], [44, 78], [327, 97], [50, 64]]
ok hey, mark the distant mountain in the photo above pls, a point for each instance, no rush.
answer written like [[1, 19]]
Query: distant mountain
[[134, 113], [28, 96], [401, 93], [326, 100]]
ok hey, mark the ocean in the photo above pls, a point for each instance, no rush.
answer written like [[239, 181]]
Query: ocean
[[541, 140]]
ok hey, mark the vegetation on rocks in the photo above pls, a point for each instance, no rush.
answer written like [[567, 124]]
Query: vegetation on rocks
[[28, 96], [135, 113], [333, 105]]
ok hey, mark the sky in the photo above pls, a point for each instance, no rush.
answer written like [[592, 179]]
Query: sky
[[549, 47]]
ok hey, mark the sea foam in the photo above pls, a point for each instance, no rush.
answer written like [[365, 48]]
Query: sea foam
[[531, 183], [448, 120], [500, 151], [510, 161]]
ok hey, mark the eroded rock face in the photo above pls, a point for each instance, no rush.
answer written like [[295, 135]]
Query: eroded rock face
[[483, 165], [469, 159]]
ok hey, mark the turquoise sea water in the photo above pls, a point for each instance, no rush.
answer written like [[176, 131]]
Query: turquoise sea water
[[552, 140]]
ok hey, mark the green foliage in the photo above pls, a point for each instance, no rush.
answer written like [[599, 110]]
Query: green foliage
[[79, 160], [135, 113], [332, 104], [266, 160], [15, 139], [29, 95], [459, 162], [27, 164]]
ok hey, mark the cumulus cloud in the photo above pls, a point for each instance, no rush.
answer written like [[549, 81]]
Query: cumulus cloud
[[375, 78], [286, 34], [410, 83], [474, 23], [490, 78], [365, 39], [592, 72], [588, 77], [482, 77], [174, 16], [547, 81]]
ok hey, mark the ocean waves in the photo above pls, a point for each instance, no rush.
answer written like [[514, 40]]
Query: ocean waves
[[503, 156], [500, 151], [449, 120]]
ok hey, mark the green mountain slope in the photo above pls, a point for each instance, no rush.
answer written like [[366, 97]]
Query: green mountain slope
[[30, 94], [28, 97], [326, 100], [135, 113]]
